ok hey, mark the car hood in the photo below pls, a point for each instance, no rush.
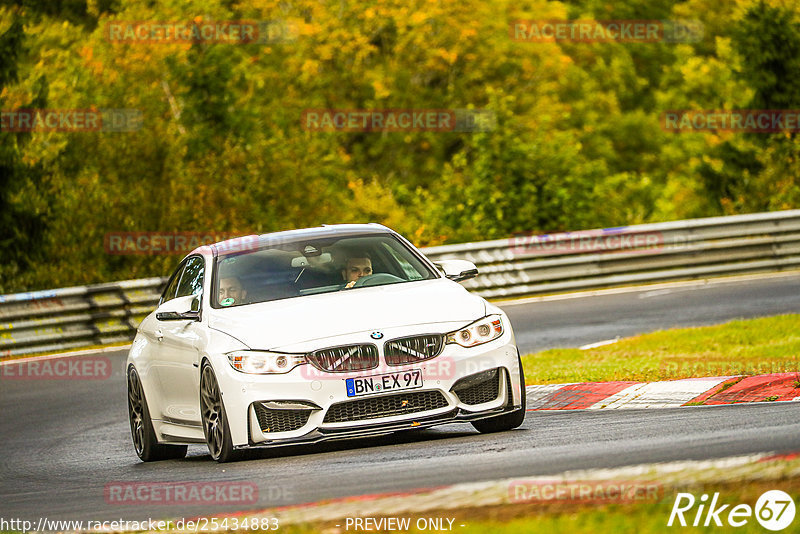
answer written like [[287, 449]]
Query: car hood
[[281, 323]]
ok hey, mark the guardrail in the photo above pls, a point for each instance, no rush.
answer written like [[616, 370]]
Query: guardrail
[[72, 317], [679, 250], [43, 321]]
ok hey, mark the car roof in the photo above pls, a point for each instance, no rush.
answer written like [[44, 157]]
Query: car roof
[[326, 230]]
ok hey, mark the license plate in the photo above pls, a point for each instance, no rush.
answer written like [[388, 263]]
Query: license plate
[[366, 385]]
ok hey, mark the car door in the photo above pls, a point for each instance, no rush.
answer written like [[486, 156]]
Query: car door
[[178, 356]]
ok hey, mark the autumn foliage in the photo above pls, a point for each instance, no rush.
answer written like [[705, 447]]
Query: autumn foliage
[[576, 140]]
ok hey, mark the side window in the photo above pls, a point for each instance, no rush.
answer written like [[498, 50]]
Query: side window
[[192, 278], [169, 292]]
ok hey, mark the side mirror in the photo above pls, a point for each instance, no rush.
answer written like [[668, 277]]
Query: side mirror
[[457, 270], [180, 309]]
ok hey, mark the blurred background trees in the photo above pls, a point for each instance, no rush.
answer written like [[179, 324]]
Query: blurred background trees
[[577, 142]]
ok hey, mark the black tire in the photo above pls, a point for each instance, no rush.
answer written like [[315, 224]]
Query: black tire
[[145, 443], [507, 421], [215, 422]]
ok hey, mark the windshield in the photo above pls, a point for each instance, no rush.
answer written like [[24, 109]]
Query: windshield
[[313, 265]]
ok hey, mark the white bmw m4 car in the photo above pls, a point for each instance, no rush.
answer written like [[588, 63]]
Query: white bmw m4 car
[[300, 336]]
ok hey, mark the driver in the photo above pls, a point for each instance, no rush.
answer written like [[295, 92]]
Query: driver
[[230, 287], [355, 268]]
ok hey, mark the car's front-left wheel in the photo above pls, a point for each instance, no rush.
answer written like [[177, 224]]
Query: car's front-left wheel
[[508, 421], [215, 422], [144, 436]]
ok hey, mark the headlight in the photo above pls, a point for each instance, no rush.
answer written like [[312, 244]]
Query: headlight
[[261, 362], [480, 332]]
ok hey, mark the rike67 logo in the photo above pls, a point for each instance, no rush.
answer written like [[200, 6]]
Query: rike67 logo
[[774, 510]]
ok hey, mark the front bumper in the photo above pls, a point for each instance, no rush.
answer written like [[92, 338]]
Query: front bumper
[[316, 395], [379, 429]]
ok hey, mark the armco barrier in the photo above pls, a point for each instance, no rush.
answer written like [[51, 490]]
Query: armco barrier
[[72, 317], [524, 265], [690, 249]]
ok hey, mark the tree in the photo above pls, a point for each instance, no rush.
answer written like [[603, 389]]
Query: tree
[[22, 218]]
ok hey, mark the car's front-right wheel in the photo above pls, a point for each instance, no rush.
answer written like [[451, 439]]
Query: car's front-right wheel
[[215, 422]]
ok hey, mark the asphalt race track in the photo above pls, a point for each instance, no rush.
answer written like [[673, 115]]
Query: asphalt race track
[[576, 322], [64, 441]]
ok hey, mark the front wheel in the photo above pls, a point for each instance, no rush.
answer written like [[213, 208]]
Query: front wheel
[[215, 422], [144, 436], [507, 421]]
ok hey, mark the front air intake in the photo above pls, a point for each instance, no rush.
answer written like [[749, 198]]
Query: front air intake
[[478, 388], [280, 420], [385, 406]]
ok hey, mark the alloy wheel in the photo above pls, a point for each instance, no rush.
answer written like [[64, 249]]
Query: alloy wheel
[[136, 411], [211, 406]]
